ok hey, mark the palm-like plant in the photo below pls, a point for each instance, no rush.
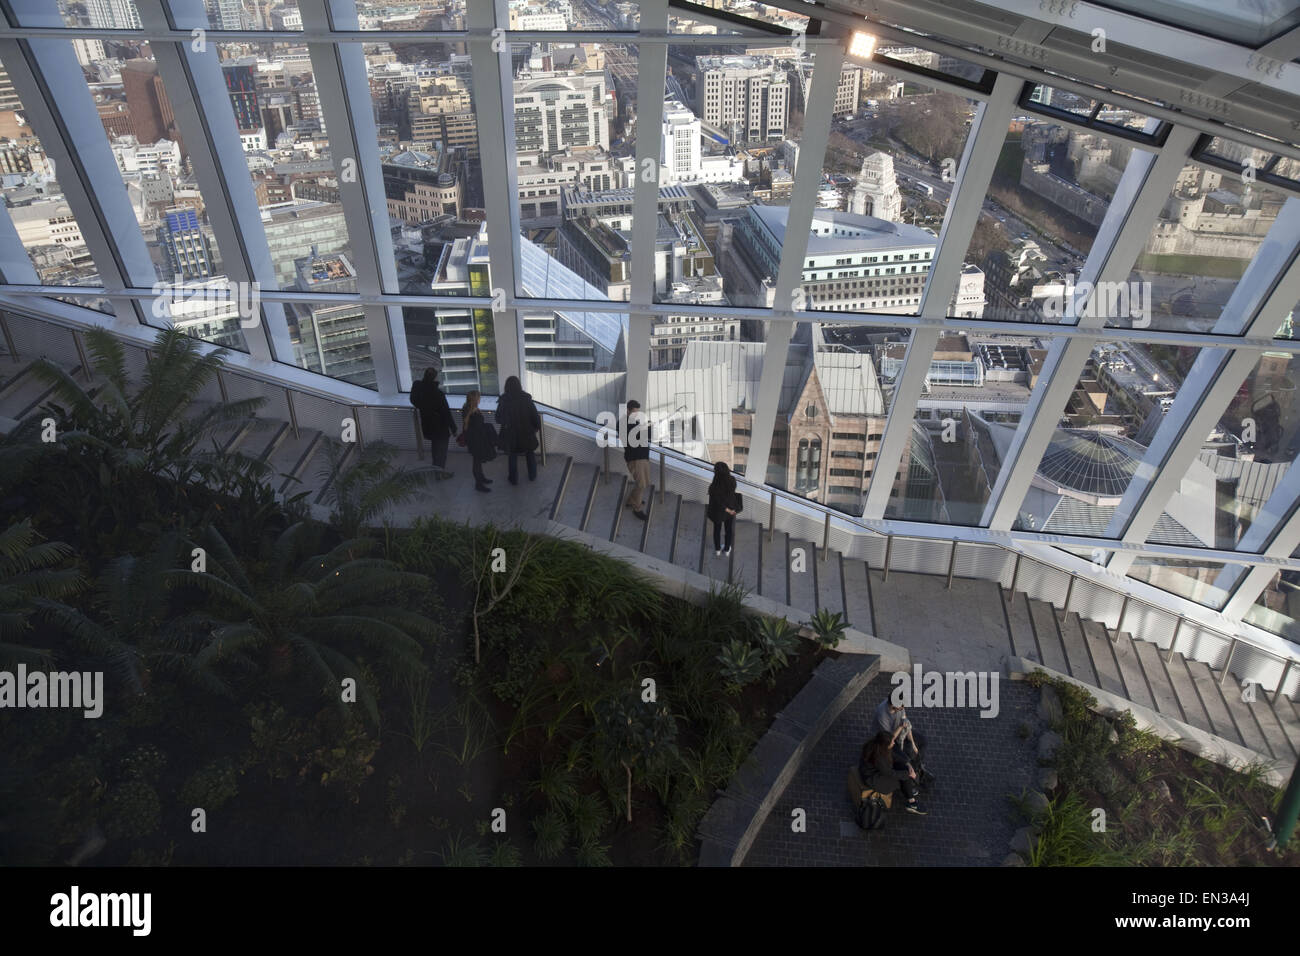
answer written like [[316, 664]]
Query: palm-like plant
[[296, 600], [777, 640], [127, 627], [742, 664], [112, 435], [828, 627], [30, 569], [363, 491]]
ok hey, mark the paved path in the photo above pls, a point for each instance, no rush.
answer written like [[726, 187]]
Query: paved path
[[979, 761]]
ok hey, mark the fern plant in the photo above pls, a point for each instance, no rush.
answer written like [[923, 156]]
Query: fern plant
[[30, 568]]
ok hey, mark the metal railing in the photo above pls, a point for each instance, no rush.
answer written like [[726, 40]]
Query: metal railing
[[786, 511]]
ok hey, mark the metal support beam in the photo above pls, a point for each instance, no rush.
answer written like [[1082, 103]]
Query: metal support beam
[[1015, 574], [889, 554], [1173, 643], [1232, 649], [827, 64], [1142, 192], [1259, 303], [652, 71], [1069, 593], [493, 86], [983, 147], [952, 563], [826, 536]]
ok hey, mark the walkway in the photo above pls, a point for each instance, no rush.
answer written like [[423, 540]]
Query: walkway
[[978, 762]]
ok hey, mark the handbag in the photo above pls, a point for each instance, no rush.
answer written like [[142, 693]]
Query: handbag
[[740, 504]]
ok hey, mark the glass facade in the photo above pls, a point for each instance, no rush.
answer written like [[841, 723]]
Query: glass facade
[[1018, 411]]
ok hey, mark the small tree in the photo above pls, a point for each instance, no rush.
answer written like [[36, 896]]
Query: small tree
[[496, 572], [634, 734]]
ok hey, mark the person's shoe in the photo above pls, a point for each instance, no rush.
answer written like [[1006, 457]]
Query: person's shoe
[[482, 488], [642, 515], [487, 481], [915, 807], [717, 554], [727, 550], [514, 481]]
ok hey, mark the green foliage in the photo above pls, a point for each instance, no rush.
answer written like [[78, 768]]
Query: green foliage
[[506, 853], [552, 834], [591, 853], [741, 664], [1067, 838], [211, 786], [30, 568], [777, 641], [366, 485], [460, 850], [590, 816], [828, 627], [131, 810], [145, 762], [312, 603], [558, 784]]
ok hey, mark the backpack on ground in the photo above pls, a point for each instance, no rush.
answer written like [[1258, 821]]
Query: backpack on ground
[[869, 805]]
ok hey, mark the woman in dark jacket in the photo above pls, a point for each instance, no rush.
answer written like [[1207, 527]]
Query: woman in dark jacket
[[478, 439], [724, 505], [435, 417], [517, 416], [878, 771]]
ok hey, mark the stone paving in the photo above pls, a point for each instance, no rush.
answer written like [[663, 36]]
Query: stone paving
[[978, 762]]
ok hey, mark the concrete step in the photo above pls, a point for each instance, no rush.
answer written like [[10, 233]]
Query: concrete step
[[1043, 616], [1103, 657], [579, 492], [291, 460], [26, 392], [747, 556], [662, 527], [1136, 687], [1016, 606], [803, 583], [606, 507], [830, 585], [774, 583], [1076, 648], [1286, 716], [857, 594], [631, 530], [688, 551], [565, 473], [1162, 689], [1216, 708], [1278, 742], [1185, 688], [1242, 716]]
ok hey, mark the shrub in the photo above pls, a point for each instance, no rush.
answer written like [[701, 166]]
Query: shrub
[[211, 786], [828, 627], [132, 810]]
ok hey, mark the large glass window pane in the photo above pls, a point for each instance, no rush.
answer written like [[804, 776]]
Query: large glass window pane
[[35, 203], [574, 107], [972, 402], [1240, 463], [1048, 196], [277, 108], [1101, 440], [1200, 246], [573, 363], [331, 338], [428, 151], [1197, 581], [238, 15], [1277, 609]]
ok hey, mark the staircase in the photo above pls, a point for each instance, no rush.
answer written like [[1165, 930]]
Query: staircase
[[777, 565]]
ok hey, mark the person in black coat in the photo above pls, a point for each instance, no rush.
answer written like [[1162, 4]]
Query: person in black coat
[[881, 772], [520, 423], [479, 439], [724, 505], [435, 417]]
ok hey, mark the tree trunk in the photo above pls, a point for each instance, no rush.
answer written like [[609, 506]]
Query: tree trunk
[[629, 791]]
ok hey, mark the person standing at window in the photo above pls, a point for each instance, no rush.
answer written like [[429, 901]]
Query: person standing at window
[[636, 452], [724, 505], [520, 423], [435, 417]]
